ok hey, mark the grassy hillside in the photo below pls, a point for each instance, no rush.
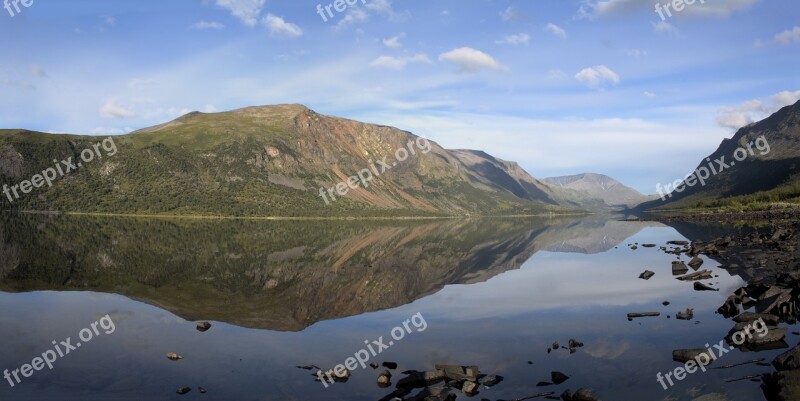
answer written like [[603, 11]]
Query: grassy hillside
[[259, 161]]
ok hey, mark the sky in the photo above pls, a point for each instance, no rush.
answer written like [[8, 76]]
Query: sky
[[559, 86]]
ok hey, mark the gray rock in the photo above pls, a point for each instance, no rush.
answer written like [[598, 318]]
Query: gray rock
[[789, 360]]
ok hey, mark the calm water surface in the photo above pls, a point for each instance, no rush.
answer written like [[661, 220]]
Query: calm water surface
[[493, 293]]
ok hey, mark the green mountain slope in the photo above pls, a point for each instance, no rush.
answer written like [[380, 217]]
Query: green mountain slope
[[257, 161]]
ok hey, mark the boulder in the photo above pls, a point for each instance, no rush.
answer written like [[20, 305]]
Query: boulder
[[789, 360]]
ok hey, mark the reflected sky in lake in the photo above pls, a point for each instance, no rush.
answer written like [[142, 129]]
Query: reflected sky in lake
[[494, 293]]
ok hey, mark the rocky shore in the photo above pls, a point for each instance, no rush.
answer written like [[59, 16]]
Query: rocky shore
[[767, 258]]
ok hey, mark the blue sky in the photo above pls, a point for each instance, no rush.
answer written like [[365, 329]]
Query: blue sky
[[560, 86]]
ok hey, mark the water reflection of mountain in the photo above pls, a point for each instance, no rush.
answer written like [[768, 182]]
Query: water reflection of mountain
[[272, 274], [595, 234]]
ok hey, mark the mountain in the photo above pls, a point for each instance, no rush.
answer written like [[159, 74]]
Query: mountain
[[758, 165], [594, 192], [499, 175], [283, 160]]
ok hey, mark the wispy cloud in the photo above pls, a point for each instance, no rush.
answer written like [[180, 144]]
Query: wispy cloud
[[398, 63], [517, 39], [279, 27], [788, 36], [245, 10], [112, 109], [597, 77], [556, 30], [202, 25], [471, 60]]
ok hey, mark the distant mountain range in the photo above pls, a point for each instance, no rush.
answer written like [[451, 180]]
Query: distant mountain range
[[287, 160], [595, 191], [760, 164]]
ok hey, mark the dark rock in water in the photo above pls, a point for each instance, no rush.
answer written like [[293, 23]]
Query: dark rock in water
[[184, 390], [202, 390], [421, 378], [584, 395], [573, 343], [730, 307], [555, 345], [490, 380], [390, 365], [631, 316], [684, 355], [558, 377], [773, 335], [772, 299], [665, 303], [543, 384], [453, 372], [688, 315], [695, 263], [646, 275], [472, 372], [203, 326], [771, 320], [174, 357], [566, 395], [649, 245], [384, 379], [701, 275], [698, 286], [782, 386], [679, 243], [789, 360], [634, 247], [374, 365], [679, 268], [469, 388]]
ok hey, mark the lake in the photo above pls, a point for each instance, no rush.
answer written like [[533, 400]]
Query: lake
[[495, 293]]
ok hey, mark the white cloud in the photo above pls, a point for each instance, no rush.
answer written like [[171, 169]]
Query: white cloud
[[788, 36], [277, 26], [358, 14], [754, 110], [398, 63], [245, 10], [112, 109], [509, 14], [394, 41], [556, 30], [109, 20], [598, 76], [666, 27], [353, 16], [518, 39], [201, 25], [556, 74], [785, 98], [649, 94], [471, 60]]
